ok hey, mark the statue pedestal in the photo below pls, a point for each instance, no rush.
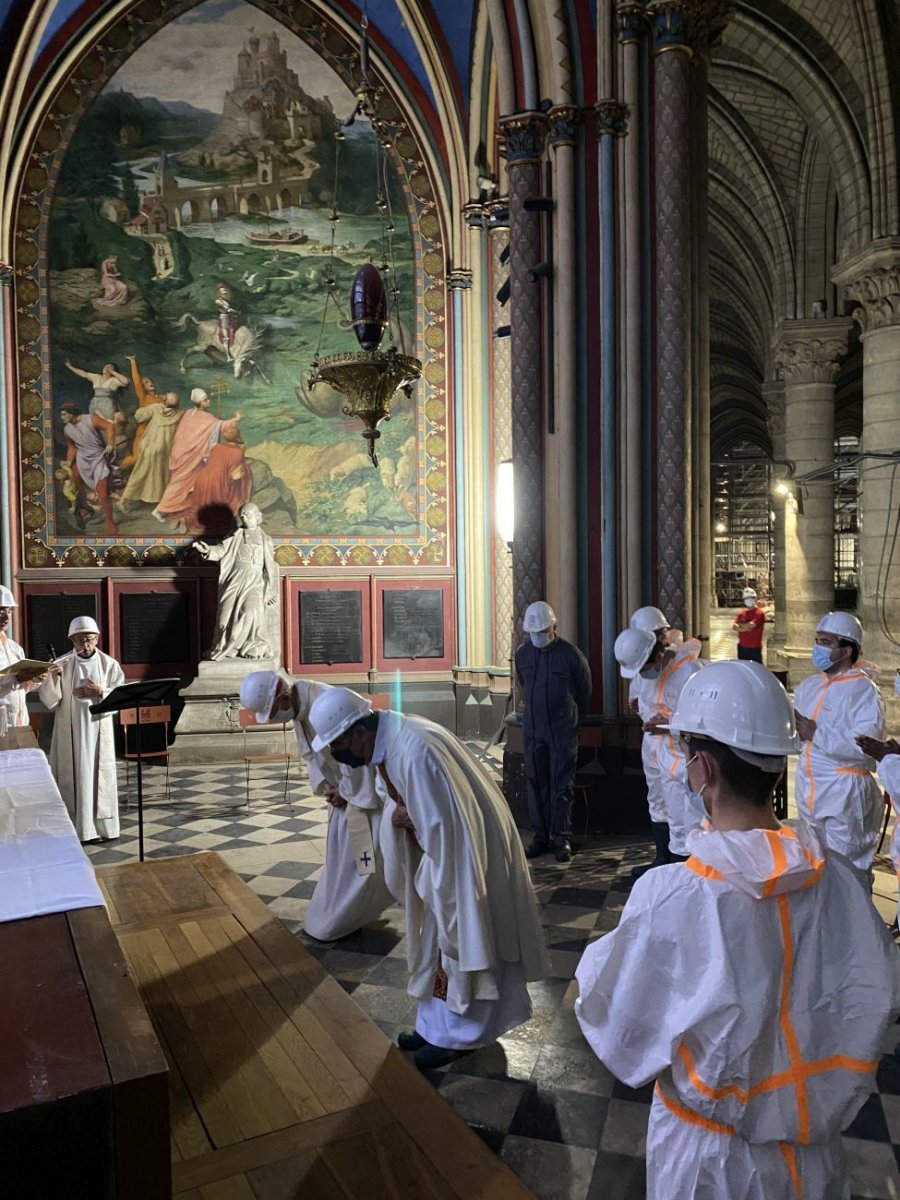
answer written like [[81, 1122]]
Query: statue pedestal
[[208, 730]]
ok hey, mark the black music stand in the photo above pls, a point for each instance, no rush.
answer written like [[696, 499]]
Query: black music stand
[[133, 695]]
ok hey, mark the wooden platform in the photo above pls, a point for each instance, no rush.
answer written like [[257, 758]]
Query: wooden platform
[[280, 1086]]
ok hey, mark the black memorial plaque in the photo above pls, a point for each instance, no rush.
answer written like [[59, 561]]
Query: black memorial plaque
[[156, 627], [49, 617], [414, 623], [331, 627]]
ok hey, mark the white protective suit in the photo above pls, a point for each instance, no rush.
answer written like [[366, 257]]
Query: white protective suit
[[82, 750], [12, 694], [351, 890], [834, 785], [642, 689], [681, 816], [464, 883], [889, 775], [763, 1028]]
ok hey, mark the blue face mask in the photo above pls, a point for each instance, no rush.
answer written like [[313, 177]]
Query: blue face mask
[[696, 808], [821, 657], [540, 640]]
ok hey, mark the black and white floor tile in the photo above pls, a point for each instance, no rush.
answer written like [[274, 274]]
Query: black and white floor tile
[[538, 1097]]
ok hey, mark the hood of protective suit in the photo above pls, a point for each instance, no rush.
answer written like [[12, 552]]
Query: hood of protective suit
[[760, 862]]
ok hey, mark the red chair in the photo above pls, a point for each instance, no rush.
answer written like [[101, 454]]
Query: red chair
[[248, 722], [151, 717]]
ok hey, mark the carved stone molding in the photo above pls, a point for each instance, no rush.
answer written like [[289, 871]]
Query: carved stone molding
[[564, 122], [612, 118], [632, 21], [459, 279], [6, 274], [810, 351], [871, 280], [687, 25], [523, 136]]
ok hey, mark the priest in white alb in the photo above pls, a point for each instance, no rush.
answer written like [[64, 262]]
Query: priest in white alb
[[453, 856], [82, 750], [13, 687], [351, 890]]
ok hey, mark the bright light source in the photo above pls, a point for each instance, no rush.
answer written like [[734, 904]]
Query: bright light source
[[504, 500], [782, 489], [721, 527]]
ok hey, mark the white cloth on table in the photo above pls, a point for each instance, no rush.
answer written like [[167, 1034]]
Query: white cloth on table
[[834, 786], [43, 869], [763, 1026], [82, 751], [347, 895], [462, 879]]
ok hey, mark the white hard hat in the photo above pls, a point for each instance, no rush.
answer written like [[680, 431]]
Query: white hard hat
[[843, 625], [83, 625], [748, 591], [632, 649], [538, 617], [648, 618], [743, 706], [7, 599], [258, 693], [332, 714]]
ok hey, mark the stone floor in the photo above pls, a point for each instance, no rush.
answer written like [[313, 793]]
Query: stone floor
[[538, 1097]]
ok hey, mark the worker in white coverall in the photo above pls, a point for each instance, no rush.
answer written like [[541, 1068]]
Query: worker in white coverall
[[351, 890], [754, 982], [887, 755], [834, 785], [82, 750], [453, 857], [13, 687], [662, 672]]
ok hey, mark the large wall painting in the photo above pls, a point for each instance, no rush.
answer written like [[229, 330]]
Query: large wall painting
[[178, 230]]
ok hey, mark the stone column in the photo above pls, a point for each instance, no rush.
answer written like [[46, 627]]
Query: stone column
[[630, 17], [871, 280], [807, 354], [679, 27], [524, 136], [773, 395], [562, 506], [7, 423]]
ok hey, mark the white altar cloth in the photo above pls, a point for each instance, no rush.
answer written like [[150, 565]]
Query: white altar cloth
[[43, 868]]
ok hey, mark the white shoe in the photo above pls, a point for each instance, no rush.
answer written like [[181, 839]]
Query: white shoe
[[156, 513]]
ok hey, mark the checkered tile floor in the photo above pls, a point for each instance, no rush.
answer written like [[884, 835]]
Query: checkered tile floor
[[538, 1097]]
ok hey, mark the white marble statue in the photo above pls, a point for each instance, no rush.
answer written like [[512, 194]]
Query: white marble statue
[[248, 586]]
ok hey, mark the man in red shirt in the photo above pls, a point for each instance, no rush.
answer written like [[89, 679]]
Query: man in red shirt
[[749, 628]]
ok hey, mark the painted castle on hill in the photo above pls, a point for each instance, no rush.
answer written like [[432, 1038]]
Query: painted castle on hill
[[267, 100]]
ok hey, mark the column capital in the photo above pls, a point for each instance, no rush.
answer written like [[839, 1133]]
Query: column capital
[[459, 279], [612, 118], [687, 25], [810, 351], [564, 122], [632, 20], [871, 281], [523, 135]]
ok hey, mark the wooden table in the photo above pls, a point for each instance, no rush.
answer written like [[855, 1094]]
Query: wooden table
[[20, 737], [280, 1085]]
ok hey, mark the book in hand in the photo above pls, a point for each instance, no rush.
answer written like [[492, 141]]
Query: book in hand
[[26, 668]]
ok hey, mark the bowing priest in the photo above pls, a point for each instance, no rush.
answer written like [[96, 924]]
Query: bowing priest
[[351, 890], [453, 857], [82, 750]]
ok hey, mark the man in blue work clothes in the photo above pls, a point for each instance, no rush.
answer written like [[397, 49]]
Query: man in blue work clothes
[[556, 682]]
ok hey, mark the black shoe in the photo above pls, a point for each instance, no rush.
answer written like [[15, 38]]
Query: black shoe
[[410, 1040], [536, 848], [430, 1057], [563, 851]]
